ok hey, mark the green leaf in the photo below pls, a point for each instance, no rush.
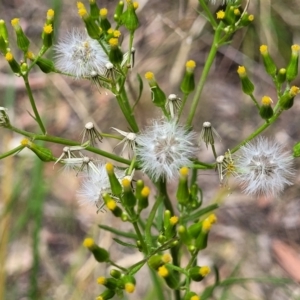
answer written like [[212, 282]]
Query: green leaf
[[200, 213], [141, 86], [124, 243], [129, 235]]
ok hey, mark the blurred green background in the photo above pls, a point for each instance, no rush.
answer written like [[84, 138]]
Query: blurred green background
[[42, 226]]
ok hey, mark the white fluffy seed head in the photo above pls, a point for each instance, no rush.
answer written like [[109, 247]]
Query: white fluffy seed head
[[79, 55], [264, 167], [95, 184], [164, 147]]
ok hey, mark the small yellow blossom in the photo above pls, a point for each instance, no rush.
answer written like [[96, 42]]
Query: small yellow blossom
[[9, 57], [166, 258], [113, 42], [174, 220], [149, 76], [220, 14], [15, 22], [129, 287], [48, 29], [111, 204], [263, 49], [126, 182], [101, 280], [50, 14], [251, 18], [204, 271], [103, 12], [190, 64], [206, 225], [241, 70], [117, 33], [163, 271], [88, 243], [145, 191], [266, 100]]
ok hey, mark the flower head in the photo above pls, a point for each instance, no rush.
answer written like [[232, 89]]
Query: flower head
[[80, 56], [164, 147], [264, 168], [95, 184]]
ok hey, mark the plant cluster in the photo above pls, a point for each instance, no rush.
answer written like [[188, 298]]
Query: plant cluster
[[167, 150]]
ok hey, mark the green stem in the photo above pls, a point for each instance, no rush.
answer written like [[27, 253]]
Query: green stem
[[255, 102], [130, 47], [32, 102], [11, 152], [208, 13], [214, 150], [117, 266], [257, 132], [162, 188], [206, 69], [157, 283], [182, 106], [126, 109], [148, 234], [58, 140], [140, 237]]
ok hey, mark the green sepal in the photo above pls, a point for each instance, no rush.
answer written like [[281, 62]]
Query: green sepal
[[3, 46], [115, 185], [195, 229], [94, 10], [14, 66], [201, 240], [115, 273], [129, 18], [43, 153], [155, 261], [104, 24], [292, 68], [296, 150], [47, 39], [183, 194], [269, 64], [184, 236], [172, 280], [266, 112], [158, 96], [167, 216], [115, 55], [119, 11], [161, 239], [230, 17], [281, 76], [138, 188], [107, 294], [22, 40], [194, 201], [46, 65], [128, 197], [247, 85], [128, 279], [194, 274], [188, 83], [286, 101], [245, 20], [111, 283], [4, 32], [189, 295], [100, 254], [92, 29]]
